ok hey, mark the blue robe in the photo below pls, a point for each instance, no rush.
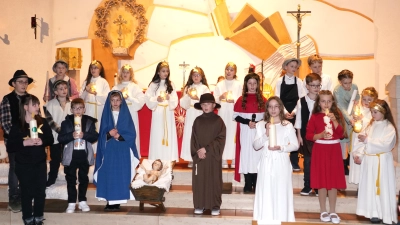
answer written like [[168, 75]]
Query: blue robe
[[112, 173]]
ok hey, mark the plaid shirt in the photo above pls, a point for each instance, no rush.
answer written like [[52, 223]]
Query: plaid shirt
[[5, 116]]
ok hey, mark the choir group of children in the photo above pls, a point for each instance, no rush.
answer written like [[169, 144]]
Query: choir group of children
[[261, 137]]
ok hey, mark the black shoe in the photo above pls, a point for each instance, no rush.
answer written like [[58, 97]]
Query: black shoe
[[305, 191], [247, 183], [30, 221], [49, 183], [316, 192], [375, 220], [39, 220], [14, 204], [112, 208], [296, 167]]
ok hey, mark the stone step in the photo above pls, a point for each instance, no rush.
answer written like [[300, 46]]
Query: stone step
[[132, 215]]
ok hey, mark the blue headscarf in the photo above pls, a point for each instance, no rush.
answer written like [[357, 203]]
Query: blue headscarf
[[125, 128]]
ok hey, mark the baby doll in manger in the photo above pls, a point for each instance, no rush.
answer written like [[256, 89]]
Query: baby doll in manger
[[152, 176]]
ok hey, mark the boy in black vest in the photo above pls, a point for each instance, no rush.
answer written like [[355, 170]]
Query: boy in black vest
[[9, 114], [305, 106]]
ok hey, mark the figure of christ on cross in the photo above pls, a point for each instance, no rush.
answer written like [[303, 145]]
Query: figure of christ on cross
[[299, 15]]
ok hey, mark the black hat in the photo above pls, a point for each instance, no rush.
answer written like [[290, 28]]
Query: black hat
[[207, 97], [20, 74]]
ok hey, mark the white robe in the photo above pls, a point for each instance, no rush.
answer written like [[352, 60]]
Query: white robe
[[226, 113], [354, 172], [94, 104], [135, 102], [58, 113], [163, 139], [191, 114], [274, 194], [249, 158], [381, 140]]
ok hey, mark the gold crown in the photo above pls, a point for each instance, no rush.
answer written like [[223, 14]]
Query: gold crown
[[369, 93], [378, 107], [127, 67], [96, 63]]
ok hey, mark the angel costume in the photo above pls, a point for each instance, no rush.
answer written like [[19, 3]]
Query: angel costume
[[274, 194], [135, 102], [191, 114], [377, 187], [116, 160], [226, 113], [163, 139]]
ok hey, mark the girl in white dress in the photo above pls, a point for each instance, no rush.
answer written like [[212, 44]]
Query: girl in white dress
[[361, 113], [373, 150], [94, 92], [226, 93], [194, 88], [133, 95], [162, 99], [274, 195]]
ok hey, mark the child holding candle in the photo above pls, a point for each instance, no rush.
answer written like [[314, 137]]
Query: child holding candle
[[56, 110], [226, 92], [373, 150], [78, 152], [274, 196], [305, 106], [94, 91], [327, 171], [28, 138], [343, 94], [289, 89], [60, 67], [162, 99], [133, 96], [248, 110], [114, 170], [195, 87], [362, 117]]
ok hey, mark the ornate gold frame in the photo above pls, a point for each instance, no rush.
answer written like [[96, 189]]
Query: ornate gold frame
[[137, 10]]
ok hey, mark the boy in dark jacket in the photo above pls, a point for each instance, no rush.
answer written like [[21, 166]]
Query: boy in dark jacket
[[77, 134]]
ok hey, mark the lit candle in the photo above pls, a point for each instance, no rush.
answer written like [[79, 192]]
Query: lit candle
[[33, 127], [357, 111], [351, 104], [229, 96], [93, 87], [163, 94], [272, 133], [77, 124], [115, 79], [193, 92], [124, 92], [358, 126], [327, 121]]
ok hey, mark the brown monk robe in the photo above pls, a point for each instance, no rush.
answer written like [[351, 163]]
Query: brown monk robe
[[208, 131]]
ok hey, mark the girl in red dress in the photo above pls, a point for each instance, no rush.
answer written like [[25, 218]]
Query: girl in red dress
[[326, 127]]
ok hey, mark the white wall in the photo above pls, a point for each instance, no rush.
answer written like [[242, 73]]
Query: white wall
[[23, 51]]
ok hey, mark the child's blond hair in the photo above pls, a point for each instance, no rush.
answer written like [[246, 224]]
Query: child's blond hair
[[314, 59]]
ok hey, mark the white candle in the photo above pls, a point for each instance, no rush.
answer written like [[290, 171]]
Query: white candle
[[272, 133], [93, 87], [351, 104], [124, 92], [115, 79], [193, 92], [77, 123], [47, 86], [358, 126], [33, 127]]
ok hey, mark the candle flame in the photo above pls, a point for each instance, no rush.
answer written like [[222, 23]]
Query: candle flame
[[326, 111], [33, 115], [272, 120]]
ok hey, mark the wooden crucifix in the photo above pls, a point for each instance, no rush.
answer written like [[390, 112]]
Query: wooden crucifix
[[299, 15], [119, 22], [183, 67]]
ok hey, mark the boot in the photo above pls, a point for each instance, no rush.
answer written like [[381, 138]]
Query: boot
[[247, 183], [254, 181]]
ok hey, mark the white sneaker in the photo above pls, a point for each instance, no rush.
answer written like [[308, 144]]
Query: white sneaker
[[198, 211], [215, 212], [70, 208], [84, 206], [190, 165]]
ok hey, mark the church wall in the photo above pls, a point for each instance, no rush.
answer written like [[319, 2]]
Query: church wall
[[21, 50]]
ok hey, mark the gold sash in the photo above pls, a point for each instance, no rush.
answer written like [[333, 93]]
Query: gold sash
[[377, 183], [165, 136]]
